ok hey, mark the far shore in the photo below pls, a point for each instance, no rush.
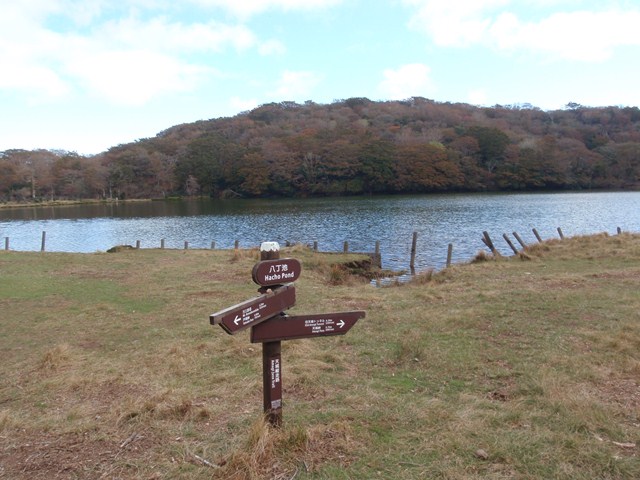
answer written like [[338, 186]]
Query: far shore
[[93, 201], [61, 203]]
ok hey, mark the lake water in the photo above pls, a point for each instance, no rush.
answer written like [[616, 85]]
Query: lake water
[[439, 220]]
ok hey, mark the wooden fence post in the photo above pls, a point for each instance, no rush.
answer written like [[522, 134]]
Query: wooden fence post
[[345, 247], [515, 234], [6, 243], [515, 250], [560, 233], [487, 241], [414, 244], [535, 232], [44, 241], [449, 254], [377, 257]]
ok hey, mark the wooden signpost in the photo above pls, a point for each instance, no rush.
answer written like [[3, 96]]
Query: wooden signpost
[[269, 325]]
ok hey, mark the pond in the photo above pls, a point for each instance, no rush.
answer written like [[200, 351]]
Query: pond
[[439, 220]]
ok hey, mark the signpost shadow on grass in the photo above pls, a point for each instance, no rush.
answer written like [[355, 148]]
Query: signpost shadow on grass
[[269, 324]]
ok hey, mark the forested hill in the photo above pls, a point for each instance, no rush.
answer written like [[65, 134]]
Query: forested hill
[[349, 147]]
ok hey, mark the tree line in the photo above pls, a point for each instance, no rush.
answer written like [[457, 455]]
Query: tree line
[[349, 147]]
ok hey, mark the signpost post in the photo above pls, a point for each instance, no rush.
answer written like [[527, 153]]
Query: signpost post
[[271, 351], [269, 325]]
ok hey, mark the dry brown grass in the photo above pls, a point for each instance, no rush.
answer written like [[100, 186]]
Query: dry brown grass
[[111, 369], [482, 256], [56, 357], [284, 453]]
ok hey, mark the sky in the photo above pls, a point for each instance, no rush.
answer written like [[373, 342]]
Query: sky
[[87, 75]]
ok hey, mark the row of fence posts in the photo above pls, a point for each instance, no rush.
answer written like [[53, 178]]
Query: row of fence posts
[[486, 239], [236, 245], [414, 249], [138, 243], [375, 256], [43, 243]]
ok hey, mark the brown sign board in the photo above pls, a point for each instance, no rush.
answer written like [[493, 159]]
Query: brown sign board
[[276, 272], [255, 310], [291, 327]]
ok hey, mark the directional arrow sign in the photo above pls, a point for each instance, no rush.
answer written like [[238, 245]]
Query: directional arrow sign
[[255, 310], [285, 327]]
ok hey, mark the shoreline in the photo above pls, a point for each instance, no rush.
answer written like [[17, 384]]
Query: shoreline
[[64, 203], [89, 201]]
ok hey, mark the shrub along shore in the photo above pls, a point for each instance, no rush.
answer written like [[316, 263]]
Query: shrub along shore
[[521, 367]]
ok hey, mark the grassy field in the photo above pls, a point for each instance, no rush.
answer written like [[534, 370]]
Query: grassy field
[[525, 367]]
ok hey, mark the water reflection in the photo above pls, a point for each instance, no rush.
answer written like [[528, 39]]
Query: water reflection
[[438, 219]]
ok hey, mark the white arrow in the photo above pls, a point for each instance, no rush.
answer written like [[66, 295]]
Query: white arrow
[[341, 323], [237, 320]]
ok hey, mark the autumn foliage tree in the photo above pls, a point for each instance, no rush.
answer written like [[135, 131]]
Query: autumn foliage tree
[[349, 147]]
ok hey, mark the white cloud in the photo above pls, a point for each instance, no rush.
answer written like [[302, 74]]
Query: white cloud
[[161, 35], [246, 8], [24, 49], [583, 35], [134, 77], [272, 47], [478, 97], [296, 85], [83, 12], [85, 140], [39, 83], [407, 81], [32, 9], [454, 23], [238, 104], [129, 61]]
